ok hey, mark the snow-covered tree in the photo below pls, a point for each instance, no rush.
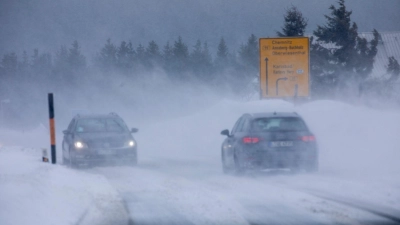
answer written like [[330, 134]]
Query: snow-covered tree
[[295, 24]]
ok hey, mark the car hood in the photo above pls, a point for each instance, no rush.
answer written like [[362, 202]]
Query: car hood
[[102, 135]]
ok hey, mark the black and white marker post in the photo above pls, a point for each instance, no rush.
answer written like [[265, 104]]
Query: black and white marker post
[[52, 129]]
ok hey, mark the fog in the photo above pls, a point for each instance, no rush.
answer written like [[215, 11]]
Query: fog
[[179, 178]]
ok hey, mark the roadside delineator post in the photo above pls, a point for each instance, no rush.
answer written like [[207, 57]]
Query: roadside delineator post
[[44, 155], [52, 129]]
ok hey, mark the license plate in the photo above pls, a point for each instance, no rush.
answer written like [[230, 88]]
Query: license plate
[[275, 144], [105, 152]]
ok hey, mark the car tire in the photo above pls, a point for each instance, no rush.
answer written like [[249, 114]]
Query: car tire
[[239, 169], [134, 162], [225, 168], [71, 162], [312, 167], [65, 160]]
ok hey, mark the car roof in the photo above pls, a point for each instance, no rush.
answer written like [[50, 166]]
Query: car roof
[[274, 114], [85, 116]]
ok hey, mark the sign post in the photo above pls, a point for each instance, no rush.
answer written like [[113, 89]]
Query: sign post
[[284, 67]]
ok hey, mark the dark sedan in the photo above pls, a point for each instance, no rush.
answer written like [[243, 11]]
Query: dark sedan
[[269, 141], [98, 138]]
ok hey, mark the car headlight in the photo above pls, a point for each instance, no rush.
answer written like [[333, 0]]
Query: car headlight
[[131, 143], [80, 145], [227, 146]]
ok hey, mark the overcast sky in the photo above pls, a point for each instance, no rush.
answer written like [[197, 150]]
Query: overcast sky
[[48, 24]]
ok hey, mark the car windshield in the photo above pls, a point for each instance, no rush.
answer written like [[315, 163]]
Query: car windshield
[[100, 125], [279, 124]]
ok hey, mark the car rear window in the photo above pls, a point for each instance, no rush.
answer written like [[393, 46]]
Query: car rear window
[[279, 124], [100, 125]]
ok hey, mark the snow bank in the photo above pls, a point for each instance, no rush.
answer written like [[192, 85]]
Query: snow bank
[[33, 192], [354, 139]]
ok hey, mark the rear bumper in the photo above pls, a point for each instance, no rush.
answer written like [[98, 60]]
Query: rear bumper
[[278, 158]]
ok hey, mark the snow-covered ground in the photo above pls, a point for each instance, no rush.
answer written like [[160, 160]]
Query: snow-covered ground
[[179, 178]]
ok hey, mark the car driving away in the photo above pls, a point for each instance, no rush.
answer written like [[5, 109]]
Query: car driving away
[[269, 141], [92, 139]]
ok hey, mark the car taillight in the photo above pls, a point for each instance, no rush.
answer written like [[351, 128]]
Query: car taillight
[[251, 140], [307, 138]]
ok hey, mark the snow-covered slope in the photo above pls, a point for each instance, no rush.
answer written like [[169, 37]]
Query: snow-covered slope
[[33, 192]]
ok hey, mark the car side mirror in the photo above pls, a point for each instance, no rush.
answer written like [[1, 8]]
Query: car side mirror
[[65, 132], [225, 132], [134, 130]]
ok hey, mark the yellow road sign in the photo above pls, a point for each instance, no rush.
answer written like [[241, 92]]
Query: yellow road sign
[[284, 67]]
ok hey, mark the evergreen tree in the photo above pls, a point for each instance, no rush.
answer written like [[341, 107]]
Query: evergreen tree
[[24, 68], [62, 69], [196, 57], [180, 58], [167, 57], [249, 55], [201, 61], [76, 60], [107, 59], [295, 24], [153, 54], [221, 61], [197, 52], [222, 52], [207, 59], [393, 69], [9, 64], [24, 65], [364, 56], [41, 65], [350, 57], [125, 56], [141, 56], [206, 63], [69, 65], [322, 71]]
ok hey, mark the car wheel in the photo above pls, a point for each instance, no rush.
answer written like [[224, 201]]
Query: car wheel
[[65, 160], [225, 168], [134, 161], [71, 162], [239, 168], [312, 167]]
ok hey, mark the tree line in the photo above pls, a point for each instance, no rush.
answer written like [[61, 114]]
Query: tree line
[[178, 60], [340, 62]]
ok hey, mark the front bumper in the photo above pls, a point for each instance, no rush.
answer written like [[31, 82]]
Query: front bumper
[[104, 155]]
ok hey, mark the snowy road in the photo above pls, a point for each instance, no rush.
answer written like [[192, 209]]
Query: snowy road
[[177, 192]]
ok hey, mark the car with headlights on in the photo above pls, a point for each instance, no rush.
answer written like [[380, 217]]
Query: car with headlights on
[[269, 141], [93, 139]]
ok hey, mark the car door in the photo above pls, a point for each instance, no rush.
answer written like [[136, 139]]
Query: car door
[[240, 132], [227, 145]]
